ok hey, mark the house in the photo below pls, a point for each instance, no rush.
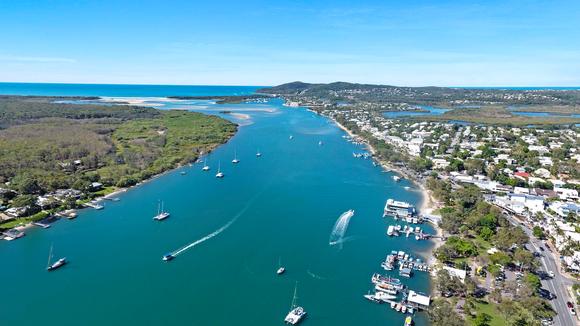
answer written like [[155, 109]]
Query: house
[[565, 193], [95, 186], [454, 272], [545, 161], [522, 175], [573, 262], [542, 173], [440, 164], [563, 209]]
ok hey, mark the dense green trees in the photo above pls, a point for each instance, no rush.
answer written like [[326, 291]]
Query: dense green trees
[[441, 313], [46, 146]]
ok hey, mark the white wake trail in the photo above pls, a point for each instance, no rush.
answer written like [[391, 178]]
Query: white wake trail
[[218, 231], [339, 229]]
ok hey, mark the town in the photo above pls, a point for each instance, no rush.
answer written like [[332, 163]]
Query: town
[[505, 198]]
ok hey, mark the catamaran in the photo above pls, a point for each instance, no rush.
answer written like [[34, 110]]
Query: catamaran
[[161, 214], [205, 166], [59, 263], [219, 174], [296, 313], [235, 160]]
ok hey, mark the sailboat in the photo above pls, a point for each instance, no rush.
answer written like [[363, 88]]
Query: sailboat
[[235, 160], [59, 263], [161, 214], [205, 166], [219, 174], [296, 313], [281, 269]]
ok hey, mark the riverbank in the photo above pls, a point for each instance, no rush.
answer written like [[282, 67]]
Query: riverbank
[[428, 205]]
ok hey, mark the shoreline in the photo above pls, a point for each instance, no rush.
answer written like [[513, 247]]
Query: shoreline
[[121, 190], [428, 205]]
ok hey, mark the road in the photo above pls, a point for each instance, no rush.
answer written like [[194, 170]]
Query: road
[[556, 285]]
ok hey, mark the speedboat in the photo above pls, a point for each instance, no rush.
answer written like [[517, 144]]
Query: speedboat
[[168, 257], [280, 270], [295, 316], [59, 263]]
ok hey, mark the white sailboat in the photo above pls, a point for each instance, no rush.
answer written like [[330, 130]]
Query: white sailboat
[[281, 269], [205, 166], [219, 174], [59, 263], [235, 160], [296, 313], [161, 214]]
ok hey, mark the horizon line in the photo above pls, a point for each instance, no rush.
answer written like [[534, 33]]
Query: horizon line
[[238, 85]]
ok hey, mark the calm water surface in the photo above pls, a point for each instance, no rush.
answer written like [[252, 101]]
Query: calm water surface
[[282, 206]]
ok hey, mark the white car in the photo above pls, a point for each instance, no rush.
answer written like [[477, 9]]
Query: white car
[[551, 274]]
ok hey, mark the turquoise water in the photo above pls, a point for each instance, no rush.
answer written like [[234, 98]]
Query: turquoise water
[[398, 114], [282, 206]]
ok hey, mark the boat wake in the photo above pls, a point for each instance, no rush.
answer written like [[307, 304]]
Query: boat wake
[[216, 232], [315, 276], [337, 234]]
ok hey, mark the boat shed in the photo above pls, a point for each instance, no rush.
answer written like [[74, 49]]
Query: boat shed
[[420, 300]]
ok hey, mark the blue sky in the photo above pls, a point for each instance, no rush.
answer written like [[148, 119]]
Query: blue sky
[[414, 43]]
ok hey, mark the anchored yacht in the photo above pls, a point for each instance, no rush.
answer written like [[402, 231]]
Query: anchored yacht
[[297, 313], [59, 263], [219, 174], [161, 214]]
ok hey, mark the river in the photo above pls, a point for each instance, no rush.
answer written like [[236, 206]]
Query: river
[[281, 206]]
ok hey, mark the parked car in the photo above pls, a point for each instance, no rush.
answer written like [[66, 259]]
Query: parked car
[[545, 294]]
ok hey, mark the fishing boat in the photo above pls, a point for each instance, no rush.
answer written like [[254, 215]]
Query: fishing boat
[[161, 214], [219, 174], [235, 160], [296, 313], [59, 263], [168, 257], [205, 166]]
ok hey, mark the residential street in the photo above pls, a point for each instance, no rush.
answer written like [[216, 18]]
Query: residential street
[[556, 285]]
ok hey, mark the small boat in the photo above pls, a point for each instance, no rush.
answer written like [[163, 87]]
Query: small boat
[[372, 297], [408, 321], [161, 214], [291, 137], [396, 178], [205, 166], [296, 313], [168, 257], [393, 304], [235, 160], [281, 269], [219, 174], [59, 263], [320, 143], [258, 154]]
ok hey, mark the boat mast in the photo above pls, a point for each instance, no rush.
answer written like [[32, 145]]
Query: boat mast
[[49, 256], [295, 297]]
